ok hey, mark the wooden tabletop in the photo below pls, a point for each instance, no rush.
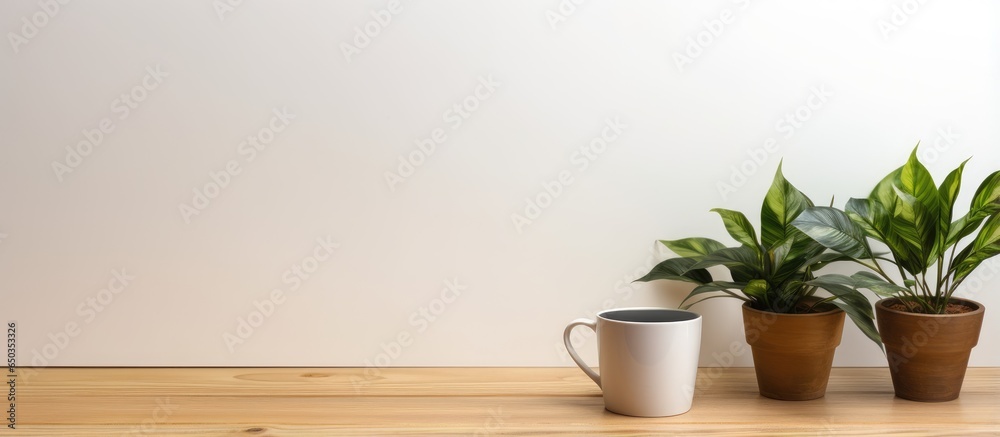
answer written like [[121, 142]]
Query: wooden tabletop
[[467, 401]]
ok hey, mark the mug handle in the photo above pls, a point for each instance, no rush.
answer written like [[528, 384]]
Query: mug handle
[[572, 352]]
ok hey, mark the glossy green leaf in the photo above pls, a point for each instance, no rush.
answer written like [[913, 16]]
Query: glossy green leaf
[[985, 202], [948, 193], [678, 269], [989, 235], [870, 215], [916, 180], [876, 221], [791, 257], [985, 246], [691, 304], [911, 222], [738, 227], [832, 279], [757, 289], [834, 229], [864, 323], [964, 226], [780, 261], [693, 246], [848, 294], [740, 256], [987, 196], [790, 293], [876, 284], [742, 273], [884, 192], [782, 204], [717, 286], [855, 304], [826, 258], [917, 217]]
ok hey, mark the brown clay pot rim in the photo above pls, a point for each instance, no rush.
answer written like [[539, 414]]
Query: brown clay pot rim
[[835, 310], [979, 308]]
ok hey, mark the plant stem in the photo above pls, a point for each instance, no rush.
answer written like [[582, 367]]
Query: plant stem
[[878, 269], [902, 273], [951, 286], [923, 285], [929, 304], [940, 274]]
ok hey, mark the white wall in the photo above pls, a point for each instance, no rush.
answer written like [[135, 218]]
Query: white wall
[[684, 131]]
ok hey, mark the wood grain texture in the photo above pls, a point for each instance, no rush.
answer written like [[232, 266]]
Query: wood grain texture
[[465, 401]]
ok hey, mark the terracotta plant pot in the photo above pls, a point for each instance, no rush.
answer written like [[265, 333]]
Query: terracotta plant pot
[[928, 353], [792, 353]]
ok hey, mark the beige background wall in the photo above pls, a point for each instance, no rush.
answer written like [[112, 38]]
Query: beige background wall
[[243, 199]]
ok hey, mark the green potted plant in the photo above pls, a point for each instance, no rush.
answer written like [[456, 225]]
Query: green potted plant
[[793, 333], [928, 332]]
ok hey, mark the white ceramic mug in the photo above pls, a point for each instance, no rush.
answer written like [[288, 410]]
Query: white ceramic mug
[[648, 359]]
